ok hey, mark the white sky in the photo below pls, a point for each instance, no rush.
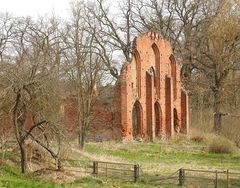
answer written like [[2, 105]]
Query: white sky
[[35, 8]]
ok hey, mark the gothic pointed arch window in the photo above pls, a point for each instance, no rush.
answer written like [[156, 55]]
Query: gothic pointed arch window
[[157, 67], [168, 105], [174, 76], [138, 72], [158, 119], [152, 72]]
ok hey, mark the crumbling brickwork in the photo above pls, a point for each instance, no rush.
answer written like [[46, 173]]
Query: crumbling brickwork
[[104, 119], [152, 101], [148, 101]]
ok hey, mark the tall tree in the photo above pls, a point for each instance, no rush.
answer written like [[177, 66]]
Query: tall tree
[[28, 81], [114, 37], [84, 65], [217, 54]]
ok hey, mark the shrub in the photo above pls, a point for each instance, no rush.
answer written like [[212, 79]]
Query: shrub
[[197, 136], [221, 145]]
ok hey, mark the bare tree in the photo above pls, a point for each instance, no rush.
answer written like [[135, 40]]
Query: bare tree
[[84, 66], [114, 37], [28, 78], [218, 54]]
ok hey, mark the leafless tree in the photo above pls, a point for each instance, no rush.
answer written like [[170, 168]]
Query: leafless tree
[[113, 36], [84, 65], [218, 54], [29, 85]]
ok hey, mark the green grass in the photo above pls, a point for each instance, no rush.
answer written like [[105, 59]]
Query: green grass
[[159, 159], [164, 158], [154, 153], [12, 178], [93, 182]]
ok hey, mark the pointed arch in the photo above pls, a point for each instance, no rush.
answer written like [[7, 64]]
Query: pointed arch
[[149, 104], [157, 67], [138, 72], [137, 120], [174, 75], [168, 106], [151, 71], [158, 118]]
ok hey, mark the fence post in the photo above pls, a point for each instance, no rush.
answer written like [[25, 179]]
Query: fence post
[[216, 179], [95, 168], [136, 172], [181, 177], [227, 178]]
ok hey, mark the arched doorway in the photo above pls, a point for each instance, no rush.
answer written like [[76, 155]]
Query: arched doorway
[[137, 120], [158, 119]]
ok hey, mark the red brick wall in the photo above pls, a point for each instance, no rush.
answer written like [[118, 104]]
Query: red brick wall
[[151, 51], [104, 120], [153, 77]]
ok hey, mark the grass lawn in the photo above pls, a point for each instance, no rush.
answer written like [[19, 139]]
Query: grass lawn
[[167, 157], [10, 177], [158, 159]]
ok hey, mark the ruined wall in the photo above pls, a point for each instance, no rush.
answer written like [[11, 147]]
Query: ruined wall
[[148, 101], [103, 122], [152, 100]]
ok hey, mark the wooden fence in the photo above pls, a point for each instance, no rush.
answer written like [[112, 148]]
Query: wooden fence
[[125, 171], [198, 178], [216, 177], [182, 177], [122, 170]]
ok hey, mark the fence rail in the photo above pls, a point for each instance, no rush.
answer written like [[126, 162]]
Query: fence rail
[[122, 169], [226, 176], [183, 176]]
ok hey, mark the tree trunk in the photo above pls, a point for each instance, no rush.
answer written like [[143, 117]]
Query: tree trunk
[[217, 114], [3, 149], [82, 133], [23, 157], [217, 121], [81, 140], [58, 164]]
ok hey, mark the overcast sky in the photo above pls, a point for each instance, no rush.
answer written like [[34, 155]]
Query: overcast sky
[[35, 7]]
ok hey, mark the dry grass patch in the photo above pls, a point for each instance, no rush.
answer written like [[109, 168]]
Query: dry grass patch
[[99, 157], [221, 145], [54, 176]]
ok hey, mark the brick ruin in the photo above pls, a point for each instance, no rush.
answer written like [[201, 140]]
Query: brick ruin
[[147, 101], [152, 101]]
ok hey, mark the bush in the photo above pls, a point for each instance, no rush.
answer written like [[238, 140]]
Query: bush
[[197, 136], [221, 145]]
